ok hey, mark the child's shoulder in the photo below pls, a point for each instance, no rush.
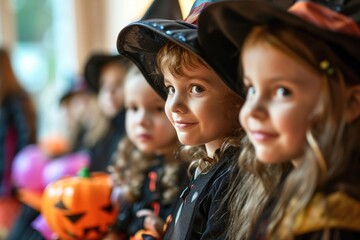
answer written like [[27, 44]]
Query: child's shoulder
[[334, 211], [223, 170]]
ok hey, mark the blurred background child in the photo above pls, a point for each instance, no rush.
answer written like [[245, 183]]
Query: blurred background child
[[105, 75], [17, 129], [85, 122], [148, 172]]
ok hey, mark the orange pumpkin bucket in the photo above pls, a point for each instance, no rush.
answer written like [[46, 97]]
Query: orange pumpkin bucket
[[80, 207]]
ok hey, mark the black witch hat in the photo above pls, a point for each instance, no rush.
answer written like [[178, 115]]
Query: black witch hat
[[224, 26], [166, 9], [140, 42]]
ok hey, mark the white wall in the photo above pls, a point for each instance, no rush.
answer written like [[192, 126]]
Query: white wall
[[119, 14]]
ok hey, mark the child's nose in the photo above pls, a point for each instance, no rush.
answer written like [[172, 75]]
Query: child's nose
[[143, 118], [176, 104], [256, 108]]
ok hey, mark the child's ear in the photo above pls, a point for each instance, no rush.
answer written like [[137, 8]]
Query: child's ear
[[352, 110]]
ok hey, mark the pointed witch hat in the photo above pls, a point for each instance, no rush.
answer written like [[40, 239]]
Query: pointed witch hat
[[140, 42], [166, 9]]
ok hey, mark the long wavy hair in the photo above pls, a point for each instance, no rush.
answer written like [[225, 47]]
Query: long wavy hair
[[326, 162], [176, 59], [131, 165], [11, 89]]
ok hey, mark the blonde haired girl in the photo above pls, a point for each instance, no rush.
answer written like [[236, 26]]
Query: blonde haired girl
[[148, 170], [302, 108]]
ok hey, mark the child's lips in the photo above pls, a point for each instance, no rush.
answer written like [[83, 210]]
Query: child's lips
[[183, 125], [144, 137], [262, 136]]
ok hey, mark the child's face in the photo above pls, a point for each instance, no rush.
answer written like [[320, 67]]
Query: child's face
[[282, 94], [111, 94], [198, 105], [146, 123], [76, 106]]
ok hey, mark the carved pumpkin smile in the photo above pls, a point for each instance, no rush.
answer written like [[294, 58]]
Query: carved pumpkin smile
[[80, 208]]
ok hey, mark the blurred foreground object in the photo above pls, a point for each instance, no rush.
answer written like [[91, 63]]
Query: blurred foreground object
[[80, 207]]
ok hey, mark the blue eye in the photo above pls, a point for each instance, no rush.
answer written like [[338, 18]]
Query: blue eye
[[250, 91], [283, 92], [196, 89], [170, 90]]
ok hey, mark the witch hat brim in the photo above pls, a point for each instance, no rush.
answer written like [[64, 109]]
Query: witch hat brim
[[227, 24], [78, 86], [141, 41], [93, 68]]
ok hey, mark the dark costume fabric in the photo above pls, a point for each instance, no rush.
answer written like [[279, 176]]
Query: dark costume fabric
[[199, 213], [22, 229], [15, 133], [152, 190], [101, 153]]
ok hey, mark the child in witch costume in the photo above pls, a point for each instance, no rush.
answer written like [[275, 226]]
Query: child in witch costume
[[84, 120], [202, 102], [306, 113], [104, 74], [148, 173]]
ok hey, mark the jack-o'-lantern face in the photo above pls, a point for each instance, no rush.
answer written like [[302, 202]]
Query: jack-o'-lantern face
[[79, 208]]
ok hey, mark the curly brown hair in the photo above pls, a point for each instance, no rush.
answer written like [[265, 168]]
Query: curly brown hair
[[131, 165]]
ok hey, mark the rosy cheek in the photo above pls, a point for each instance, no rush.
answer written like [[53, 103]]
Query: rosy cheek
[[243, 117], [168, 112]]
